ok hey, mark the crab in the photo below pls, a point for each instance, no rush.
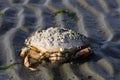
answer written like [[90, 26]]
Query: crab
[[55, 45]]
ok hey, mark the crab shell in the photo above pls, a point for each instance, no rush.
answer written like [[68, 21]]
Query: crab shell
[[56, 39], [60, 41]]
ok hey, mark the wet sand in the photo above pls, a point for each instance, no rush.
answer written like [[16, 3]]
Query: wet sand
[[99, 20]]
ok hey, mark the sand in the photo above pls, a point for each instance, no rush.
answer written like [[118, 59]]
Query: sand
[[99, 20]]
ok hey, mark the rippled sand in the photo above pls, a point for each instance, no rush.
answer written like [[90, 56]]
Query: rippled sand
[[98, 19]]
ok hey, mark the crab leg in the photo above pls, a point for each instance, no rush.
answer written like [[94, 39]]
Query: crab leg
[[56, 57], [85, 51]]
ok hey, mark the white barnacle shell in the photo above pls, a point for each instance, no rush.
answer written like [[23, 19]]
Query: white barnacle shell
[[56, 39]]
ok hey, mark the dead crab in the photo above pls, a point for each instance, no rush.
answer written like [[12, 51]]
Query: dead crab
[[55, 45]]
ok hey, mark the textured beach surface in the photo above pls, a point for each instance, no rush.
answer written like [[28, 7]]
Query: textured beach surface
[[99, 20]]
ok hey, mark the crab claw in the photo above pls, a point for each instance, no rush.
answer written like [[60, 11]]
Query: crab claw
[[33, 69], [28, 53], [26, 61], [24, 52], [33, 54], [27, 64]]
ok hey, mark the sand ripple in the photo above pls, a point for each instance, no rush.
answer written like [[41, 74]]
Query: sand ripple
[[98, 19]]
